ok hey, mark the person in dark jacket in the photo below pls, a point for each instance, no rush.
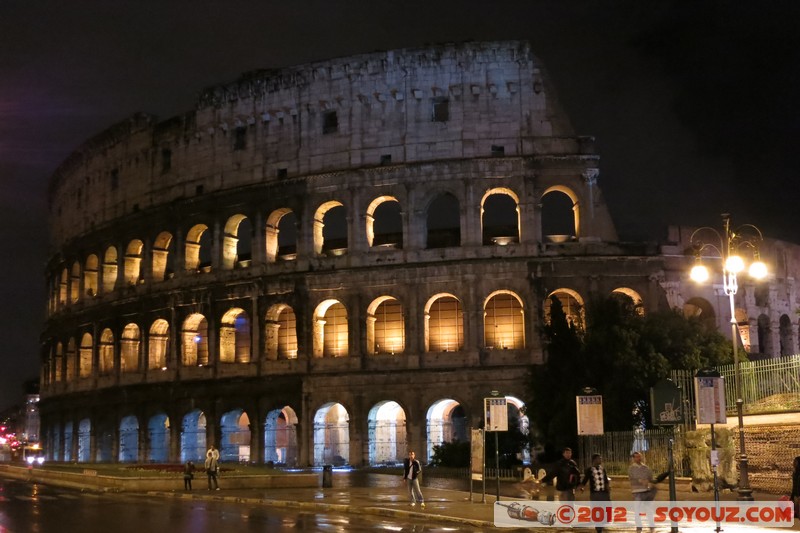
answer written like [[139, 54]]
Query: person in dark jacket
[[411, 471], [599, 482], [567, 476]]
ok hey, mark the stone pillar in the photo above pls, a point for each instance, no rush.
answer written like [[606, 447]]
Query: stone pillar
[[258, 240], [318, 342], [585, 220], [471, 227], [257, 438], [216, 246], [175, 431]]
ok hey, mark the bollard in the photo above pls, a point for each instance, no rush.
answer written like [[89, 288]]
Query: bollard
[[327, 476]]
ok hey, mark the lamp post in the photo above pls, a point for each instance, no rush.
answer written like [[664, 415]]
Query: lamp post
[[729, 245]]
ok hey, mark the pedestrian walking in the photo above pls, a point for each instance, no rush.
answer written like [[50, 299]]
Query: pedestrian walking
[[188, 475], [411, 472], [567, 475], [642, 489], [599, 482], [212, 468]]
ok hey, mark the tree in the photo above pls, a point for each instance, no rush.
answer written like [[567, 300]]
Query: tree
[[621, 354]]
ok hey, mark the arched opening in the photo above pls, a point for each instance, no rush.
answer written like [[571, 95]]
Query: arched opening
[[85, 364], [765, 336], [90, 273], [385, 326], [195, 341], [84, 440], [234, 337], [236, 243], [560, 215], [385, 223], [281, 235], [133, 262], [503, 322], [446, 422], [68, 441], [197, 254], [157, 345], [500, 217], [71, 358], [163, 257], [330, 229], [75, 283], [109, 269], [387, 433], [443, 222], [743, 324], [517, 419], [130, 349], [330, 330], [129, 440], [281, 333], [786, 338], [572, 305], [58, 359], [702, 310], [280, 437], [331, 435], [235, 428], [193, 437], [104, 440], [444, 324], [105, 354], [158, 437], [63, 289], [630, 299]]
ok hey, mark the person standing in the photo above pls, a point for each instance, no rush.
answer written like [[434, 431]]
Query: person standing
[[641, 479], [599, 482], [567, 476], [411, 472], [212, 468], [188, 475]]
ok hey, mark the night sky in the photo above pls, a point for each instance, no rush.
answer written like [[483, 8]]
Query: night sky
[[695, 105]]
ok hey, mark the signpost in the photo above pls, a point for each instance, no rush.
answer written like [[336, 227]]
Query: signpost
[[590, 414], [666, 410], [476, 461], [709, 388], [495, 411]]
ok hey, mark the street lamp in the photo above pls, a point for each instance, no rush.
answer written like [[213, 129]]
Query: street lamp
[[729, 245]]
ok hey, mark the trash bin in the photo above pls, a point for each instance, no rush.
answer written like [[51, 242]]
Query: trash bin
[[327, 476]]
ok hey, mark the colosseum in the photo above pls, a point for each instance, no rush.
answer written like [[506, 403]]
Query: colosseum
[[334, 262]]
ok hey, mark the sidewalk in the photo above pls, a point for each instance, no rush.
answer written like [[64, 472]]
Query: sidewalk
[[390, 499]]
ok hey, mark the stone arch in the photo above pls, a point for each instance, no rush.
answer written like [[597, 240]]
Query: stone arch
[[517, 418], [71, 358], [786, 337], [130, 349], [195, 341], [385, 326], [128, 440], [446, 422], [743, 324], [387, 433], [90, 276], [110, 269], [63, 288], [193, 437], [384, 223], [281, 332], [104, 441], [444, 324], [67, 441], [500, 222], [280, 436], [84, 441], [234, 337], [133, 262], [330, 329], [105, 353], [281, 235], [158, 343], [86, 351], [330, 229], [235, 432], [194, 255], [632, 297], [75, 283], [702, 310], [572, 305], [163, 257], [236, 242], [443, 222], [503, 321], [331, 435], [158, 438], [560, 214]]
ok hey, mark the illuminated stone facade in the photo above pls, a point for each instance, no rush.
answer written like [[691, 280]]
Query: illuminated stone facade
[[329, 263]]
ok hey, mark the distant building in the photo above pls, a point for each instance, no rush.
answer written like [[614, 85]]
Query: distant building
[[334, 262]]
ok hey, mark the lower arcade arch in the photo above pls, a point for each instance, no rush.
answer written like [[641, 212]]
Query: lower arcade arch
[[235, 443], [331, 435], [193, 437], [446, 422], [517, 419], [280, 437], [128, 440], [387, 433], [158, 438]]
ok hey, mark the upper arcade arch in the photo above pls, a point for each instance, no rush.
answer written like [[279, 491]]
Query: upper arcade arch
[[193, 254], [330, 329], [195, 340], [330, 229], [631, 298], [443, 221], [503, 321], [500, 217], [110, 269], [236, 242], [281, 332], [385, 326], [444, 324], [163, 256], [133, 262], [234, 337], [281, 235], [384, 223], [561, 220]]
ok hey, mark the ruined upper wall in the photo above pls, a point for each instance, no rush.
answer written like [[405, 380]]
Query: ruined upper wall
[[404, 106]]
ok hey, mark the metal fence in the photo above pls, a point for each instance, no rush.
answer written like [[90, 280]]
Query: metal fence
[[616, 447]]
